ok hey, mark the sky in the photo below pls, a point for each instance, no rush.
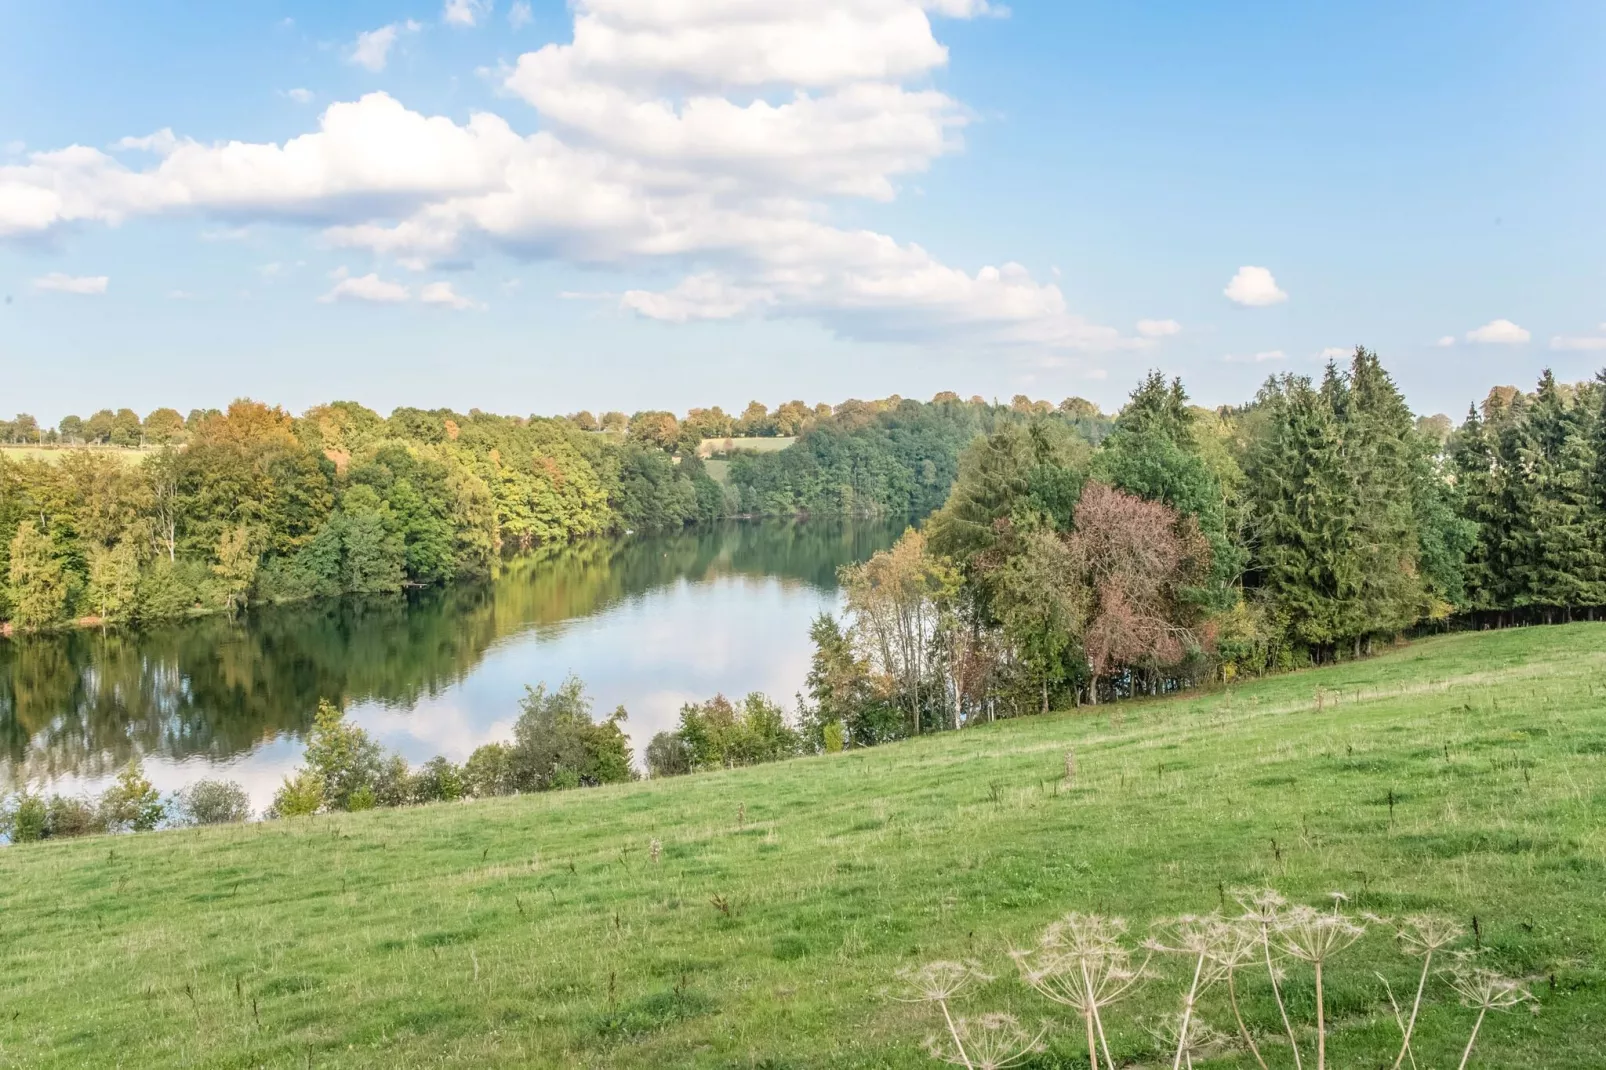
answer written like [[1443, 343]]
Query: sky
[[538, 207]]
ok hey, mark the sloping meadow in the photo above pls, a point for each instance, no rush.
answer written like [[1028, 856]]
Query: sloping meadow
[[760, 917]]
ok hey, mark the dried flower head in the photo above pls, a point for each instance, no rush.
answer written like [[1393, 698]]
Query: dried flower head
[[1423, 934], [938, 982], [1262, 906], [1486, 990], [990, 1042], [1081, 961], [1201, 1042], [1315, 935], [655, 850]]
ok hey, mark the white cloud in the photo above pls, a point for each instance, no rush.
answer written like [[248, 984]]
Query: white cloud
[[1333, 353], [1445, 342], [300, 96], [368, 287], [372, 48], [87, 285], [464, 12], [1257, 358], [441, 293], [1158, 328], [1499, 332], [1254, 287], [1588, 343], [520, 15], [704, 143]]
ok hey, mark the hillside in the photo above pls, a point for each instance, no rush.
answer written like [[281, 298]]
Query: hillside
[[1464, 774]]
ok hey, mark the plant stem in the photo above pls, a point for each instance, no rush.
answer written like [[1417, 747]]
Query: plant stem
[[954, 1032], [1243, 1030], [1187, 1016], [1421, 983], [1321, 1022], [1473, 1039], [1092, 1049], [1271, 971]]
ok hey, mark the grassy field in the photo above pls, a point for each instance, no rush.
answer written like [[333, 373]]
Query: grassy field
[[1464, 774], [52, 454], [711, 446]]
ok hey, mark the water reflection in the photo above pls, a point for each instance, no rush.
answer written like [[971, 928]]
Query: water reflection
[[647, 621]]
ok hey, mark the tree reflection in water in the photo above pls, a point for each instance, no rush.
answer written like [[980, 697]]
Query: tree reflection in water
[[80, 704]]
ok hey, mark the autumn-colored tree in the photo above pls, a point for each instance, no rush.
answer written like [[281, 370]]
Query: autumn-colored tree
[[659, 429], [1138, 559], [164, 427]]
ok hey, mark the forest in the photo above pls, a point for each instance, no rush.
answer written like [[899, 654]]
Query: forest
[[222, 509]]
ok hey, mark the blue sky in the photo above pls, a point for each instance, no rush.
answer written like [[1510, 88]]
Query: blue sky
[[757, 200]]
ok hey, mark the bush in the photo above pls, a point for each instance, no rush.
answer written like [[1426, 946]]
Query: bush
[[556, 744], [131, 803], [67, 817], [668, 755], [344, 758], [393, 782], [489, 771], [832, 737], [25, 819], [213, 802], [299, 796], [438, 781]]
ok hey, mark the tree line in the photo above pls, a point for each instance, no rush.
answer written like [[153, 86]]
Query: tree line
[[253, 505], [1309, 525]]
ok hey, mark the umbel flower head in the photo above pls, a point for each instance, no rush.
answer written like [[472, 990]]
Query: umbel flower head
[[1082, 961], [990, 1042], [939, 982]]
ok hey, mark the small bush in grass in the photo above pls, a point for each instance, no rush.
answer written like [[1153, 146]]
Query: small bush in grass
[[25, 819], [298, 796], [131, 803], [67, 816], [213, 802], [439, 780]]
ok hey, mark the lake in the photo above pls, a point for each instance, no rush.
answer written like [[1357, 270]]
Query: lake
[[648, 622]]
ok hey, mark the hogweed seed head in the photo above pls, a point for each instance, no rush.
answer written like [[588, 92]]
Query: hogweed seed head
[[990, 1042], [1423, 934], [1315, 935], [938, 982], [1486, 990]]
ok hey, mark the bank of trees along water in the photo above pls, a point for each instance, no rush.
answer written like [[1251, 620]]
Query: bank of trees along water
[[252, 505]]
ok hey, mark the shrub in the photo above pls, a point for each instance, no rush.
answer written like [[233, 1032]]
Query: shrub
[[131, 803], [832, 737], [298, 796], [668, 755], [489, 771], [393, 782], [438, 781], [67, 817], [25, 819], [343, 757], [213, 802], [557, 744]]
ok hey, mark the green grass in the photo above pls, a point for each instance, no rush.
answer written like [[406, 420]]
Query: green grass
[[536, 932], [52, 454], [771, 444]]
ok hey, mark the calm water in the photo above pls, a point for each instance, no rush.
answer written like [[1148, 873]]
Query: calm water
[[649, 622]]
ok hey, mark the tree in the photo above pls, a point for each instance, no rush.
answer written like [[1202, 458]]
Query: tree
[[342, 758], [164, 427], [556, 744], [126, 428], [38, 593], [615, 422], [719, 734], [132, 803], [897, 600], [659, 429], [72, 428], [213, 802], [668, 755], [113, 580], [755, 420], [98, 428], [236, 567]]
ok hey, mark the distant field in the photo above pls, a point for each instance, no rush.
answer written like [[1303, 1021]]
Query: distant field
[[55, 453], [1464, 774], [718, 470], [712, 446]]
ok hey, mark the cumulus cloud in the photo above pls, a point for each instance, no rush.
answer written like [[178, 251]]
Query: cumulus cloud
[[300, 96], [86, 285], [368, 287], [442, 294], [705, 143], [1254, 287], [1256, 358], [464, 12], [1446, 341], [1587, 343], [520, 15], [372, 47], [1499, 332], [1158, 328]]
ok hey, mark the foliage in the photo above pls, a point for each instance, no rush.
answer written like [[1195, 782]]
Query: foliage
[[958, 846], [718, 734], [131, 803], [556, 743], [213, 802]]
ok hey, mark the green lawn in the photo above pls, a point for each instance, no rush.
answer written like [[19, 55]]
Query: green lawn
[[537, 932], [738, 444]]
